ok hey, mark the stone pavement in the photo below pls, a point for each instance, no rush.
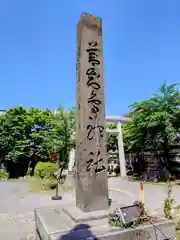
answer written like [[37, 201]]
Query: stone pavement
[[17, 204]]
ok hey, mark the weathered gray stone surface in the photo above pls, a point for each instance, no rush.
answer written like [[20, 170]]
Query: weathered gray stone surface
[[71, 180], [53, 224], [91, 161], [77, 215]]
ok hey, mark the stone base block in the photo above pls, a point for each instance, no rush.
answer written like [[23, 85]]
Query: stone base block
[[70, 223], [79, 216]]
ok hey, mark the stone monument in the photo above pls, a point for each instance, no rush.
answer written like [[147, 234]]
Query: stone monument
[[91, 160], [88, 218]]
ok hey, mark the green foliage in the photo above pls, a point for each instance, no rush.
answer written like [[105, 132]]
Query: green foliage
[[111, 126], [41, 185], [49, 184], [3, 175], [168, 203], [111, 141], [28, 136], [63, 135], [13, 134], [154, 126], [22, 133], [45, 170], [116, 221], [155, 122], [171, 211], [168, 207]]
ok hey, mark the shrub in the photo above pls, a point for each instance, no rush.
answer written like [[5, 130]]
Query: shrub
[[130, 173], [49, 184], [3, 175], [45, 170]]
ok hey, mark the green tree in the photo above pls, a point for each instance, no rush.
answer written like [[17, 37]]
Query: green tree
[[14, 133], [40, 143], [23, 138], [155, 122], [63, 135], [111, 140]]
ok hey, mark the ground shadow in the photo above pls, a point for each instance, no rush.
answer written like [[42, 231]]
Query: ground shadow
[[79, 232]]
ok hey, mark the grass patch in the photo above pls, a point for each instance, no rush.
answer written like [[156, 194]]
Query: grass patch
[[47, 186], [41, 186]]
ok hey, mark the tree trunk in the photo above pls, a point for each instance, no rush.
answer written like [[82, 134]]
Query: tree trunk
[[61, 178], [166, 159], [34, 161]]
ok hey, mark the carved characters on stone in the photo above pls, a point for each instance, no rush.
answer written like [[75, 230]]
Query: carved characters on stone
[[95, 131]]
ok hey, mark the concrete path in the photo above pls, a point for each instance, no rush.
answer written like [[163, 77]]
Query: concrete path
[[17, 210], [17, 204], [154, 194]]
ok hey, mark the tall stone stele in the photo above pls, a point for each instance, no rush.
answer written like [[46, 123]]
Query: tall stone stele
[[91, 159], [74, 222]]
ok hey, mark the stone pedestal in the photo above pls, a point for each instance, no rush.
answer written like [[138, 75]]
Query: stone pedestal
[[55, 223], [70, 223]]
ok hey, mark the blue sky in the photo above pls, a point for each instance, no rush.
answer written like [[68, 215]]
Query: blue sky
[[37, 50]]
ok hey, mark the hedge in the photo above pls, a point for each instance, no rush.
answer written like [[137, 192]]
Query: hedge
[[45, 170], [3, 175]]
